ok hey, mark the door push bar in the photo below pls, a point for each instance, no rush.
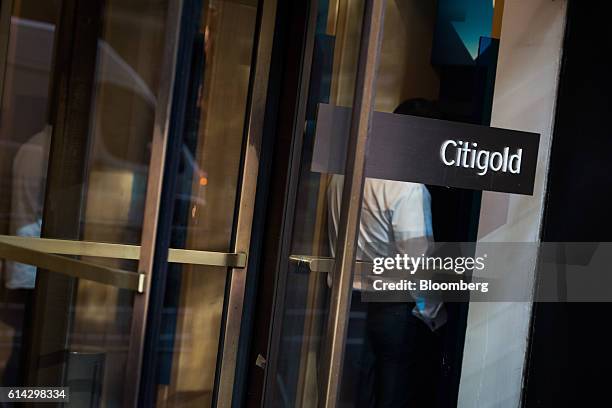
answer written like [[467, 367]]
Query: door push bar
[[46, 253]]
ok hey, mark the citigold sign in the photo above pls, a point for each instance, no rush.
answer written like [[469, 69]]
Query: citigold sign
[[468, 155], [431, 151]]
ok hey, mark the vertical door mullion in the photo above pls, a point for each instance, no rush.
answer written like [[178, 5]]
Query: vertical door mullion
[[246, 197], [185, 97], [153, 197], [352, 196], [297, 112]]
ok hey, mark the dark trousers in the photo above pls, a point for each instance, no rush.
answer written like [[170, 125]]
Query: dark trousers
[[401, 359]]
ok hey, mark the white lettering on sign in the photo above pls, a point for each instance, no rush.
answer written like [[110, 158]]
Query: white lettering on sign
[[465, 154]]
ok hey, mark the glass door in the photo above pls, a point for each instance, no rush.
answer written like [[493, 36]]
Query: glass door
[[212, 167], [85, 107], [130, 152], [331, 344], [301, 370]]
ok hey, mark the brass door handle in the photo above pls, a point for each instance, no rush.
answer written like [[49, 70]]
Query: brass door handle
[[325, 264]]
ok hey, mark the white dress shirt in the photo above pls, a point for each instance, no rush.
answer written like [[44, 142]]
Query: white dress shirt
[[395, 219]]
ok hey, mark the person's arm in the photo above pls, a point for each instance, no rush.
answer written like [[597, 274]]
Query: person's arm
[[411, 221], [413, 234]]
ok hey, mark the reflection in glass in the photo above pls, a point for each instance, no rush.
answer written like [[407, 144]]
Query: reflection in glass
[[26, 52], [79, 329], [124, 101]]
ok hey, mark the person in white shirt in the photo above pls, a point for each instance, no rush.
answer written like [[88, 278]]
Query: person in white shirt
[[27, 200], [402, 351], [395, 219]]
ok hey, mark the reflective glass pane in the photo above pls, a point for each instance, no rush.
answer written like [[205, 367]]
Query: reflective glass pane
[[26, 55], [124, 102], [27, 30], [79, 101], [296, 366], [205, 203], [409, 353]]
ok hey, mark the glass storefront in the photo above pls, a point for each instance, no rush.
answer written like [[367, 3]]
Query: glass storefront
[[86, 102], [172, 233]]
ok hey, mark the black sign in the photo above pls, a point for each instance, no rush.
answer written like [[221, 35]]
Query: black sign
[[431, 151]]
